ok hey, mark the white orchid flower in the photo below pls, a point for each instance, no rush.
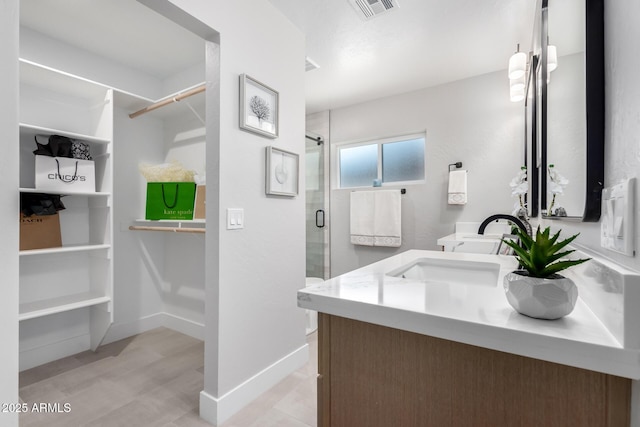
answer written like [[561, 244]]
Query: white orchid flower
[[557, 182], [555, 188], [519, 184], [520, 189]]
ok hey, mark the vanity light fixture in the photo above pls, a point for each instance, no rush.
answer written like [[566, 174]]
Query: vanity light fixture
[[552, 58], [516, 89], [517, 64], [517, 84], [516, 95], [517, 71]]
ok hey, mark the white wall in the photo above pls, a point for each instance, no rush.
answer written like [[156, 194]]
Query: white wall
[[138, 257], [9, 208], [471, 121], [184, 260], [39, 48], [254, 330]]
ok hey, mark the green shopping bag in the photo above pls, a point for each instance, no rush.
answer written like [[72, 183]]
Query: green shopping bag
[[170, 200]]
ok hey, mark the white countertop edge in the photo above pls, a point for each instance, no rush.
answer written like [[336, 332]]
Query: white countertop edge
[[609, 360]]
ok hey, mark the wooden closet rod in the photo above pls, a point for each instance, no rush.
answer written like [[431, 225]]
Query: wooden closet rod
[[172, 229], [196, 90]]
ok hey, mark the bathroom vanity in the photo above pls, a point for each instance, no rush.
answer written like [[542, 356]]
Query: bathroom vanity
[[427, 338]]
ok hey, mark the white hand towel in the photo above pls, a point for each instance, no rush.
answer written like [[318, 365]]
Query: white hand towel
[[387, 219], [457, 187], [361, 219]]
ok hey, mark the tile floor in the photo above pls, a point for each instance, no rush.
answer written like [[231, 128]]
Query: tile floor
[[154, 379]]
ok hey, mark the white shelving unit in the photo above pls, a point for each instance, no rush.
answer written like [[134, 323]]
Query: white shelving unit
[[78, 275]]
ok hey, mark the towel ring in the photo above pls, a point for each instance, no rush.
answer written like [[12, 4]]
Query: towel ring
[[456, 164]]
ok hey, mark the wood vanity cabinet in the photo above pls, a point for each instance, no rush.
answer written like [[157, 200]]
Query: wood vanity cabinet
[[371, 375]]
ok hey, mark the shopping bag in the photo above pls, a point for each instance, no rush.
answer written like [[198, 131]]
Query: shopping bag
[[40, 231], [65, 174], [199, 210], [170, 200]]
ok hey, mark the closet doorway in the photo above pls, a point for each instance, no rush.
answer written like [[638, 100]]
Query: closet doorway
[[106, 60]]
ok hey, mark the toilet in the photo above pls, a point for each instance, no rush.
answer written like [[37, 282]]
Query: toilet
[[311, 315]]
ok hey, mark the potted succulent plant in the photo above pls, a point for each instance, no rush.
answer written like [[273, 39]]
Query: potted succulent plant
[[537, 290]]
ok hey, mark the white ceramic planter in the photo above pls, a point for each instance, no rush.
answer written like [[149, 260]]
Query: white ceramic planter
[[549, 298]]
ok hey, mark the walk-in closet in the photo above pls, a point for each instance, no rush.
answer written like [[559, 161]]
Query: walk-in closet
[[112, 264]]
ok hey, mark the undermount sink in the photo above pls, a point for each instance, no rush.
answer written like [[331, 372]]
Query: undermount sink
[[450, 271]]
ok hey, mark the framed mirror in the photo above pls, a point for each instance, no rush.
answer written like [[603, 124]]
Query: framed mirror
[[571, 109], [531, 147]]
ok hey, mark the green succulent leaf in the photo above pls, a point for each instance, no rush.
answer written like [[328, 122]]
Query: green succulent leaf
[[561, 265], [564, 243], [525, 239], [555, 257], [542, 256]]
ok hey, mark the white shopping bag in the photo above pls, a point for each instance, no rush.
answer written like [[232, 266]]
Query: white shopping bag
[[64, 174]]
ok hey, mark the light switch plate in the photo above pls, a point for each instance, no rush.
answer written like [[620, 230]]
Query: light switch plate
[[235, 218], [617, 226]]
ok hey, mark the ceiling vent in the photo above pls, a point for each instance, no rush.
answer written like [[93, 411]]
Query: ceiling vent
[[368, 9]]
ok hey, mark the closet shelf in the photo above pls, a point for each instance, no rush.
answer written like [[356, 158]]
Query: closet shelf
[[62, 193], [64, 249], [36, 130], [176, 226], [32, 310]]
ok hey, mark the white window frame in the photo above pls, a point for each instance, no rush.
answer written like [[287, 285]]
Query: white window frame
[[335, 159]]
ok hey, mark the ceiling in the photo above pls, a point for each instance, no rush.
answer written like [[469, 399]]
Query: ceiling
[[421, 44]]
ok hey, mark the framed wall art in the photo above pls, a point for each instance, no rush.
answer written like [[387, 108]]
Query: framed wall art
[[258, 107], [281, 172]]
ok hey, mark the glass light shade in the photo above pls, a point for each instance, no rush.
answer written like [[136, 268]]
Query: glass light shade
[[517, 84], [516, 95], [517, 65], [552, 58]]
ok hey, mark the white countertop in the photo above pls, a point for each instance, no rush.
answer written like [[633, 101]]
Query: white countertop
[[470, 313]]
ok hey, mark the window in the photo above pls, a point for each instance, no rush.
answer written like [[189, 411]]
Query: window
[[399, 159]]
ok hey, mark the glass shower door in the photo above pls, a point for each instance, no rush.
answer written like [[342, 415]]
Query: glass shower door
[[315, 206]]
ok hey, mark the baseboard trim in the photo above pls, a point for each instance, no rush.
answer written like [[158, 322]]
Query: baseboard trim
[[49, 352], [216, 410], [184, 326], [37, 356], [119, 331]]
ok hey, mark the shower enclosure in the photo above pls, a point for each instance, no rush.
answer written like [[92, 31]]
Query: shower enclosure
[[316, 208]]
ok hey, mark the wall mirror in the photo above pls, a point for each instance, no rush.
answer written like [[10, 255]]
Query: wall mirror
[[532, 152], [571, 96]]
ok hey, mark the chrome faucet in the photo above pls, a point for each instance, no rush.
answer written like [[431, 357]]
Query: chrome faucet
[[523, 224]]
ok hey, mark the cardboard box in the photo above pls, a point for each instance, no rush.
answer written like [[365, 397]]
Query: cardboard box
[[170, 200], [199, 211], [65, 175], [40, 232]]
